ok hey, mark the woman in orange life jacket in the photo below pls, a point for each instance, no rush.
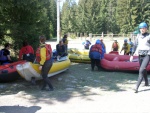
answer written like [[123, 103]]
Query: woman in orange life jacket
[[26, 52], [44, 57], [115, 46]]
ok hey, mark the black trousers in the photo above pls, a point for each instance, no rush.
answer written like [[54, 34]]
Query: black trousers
[[29, 57], [115, 49], [144, 61], [125, 53], [44, 72], [95, 62]]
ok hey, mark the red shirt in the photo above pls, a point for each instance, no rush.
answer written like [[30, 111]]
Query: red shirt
[[26, 50]]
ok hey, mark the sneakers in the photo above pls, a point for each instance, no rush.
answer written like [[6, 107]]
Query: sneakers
[[136, 91], [33, 81], [146, 84]]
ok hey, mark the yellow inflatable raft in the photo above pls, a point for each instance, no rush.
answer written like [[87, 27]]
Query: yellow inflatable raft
[[79, 58], [79, 55], [78, 51], [30, 70]]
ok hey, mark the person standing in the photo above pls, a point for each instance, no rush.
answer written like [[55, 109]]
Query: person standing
[[65, 41], [5, 55], [86, 44], [95, 55], [115, 46], [142, 49], [26, 52], [131, 46], [125, 47], [103, 48], [44, 57]]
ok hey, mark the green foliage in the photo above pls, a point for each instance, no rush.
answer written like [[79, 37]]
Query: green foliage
[[26, 20], [97, 16]]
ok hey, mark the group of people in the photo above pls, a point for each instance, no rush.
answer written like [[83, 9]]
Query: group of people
[[140, 47], [27, 52], [126, 47], [43, 56]]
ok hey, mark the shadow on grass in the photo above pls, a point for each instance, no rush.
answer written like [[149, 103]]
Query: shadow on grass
[[19, 109], [78, 81]]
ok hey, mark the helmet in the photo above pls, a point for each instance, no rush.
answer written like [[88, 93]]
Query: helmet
[[98, 41], [125, 40], [143, 25]]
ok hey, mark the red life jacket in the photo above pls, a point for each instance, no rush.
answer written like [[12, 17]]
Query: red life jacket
[[115, 45], [48, 53], [96, 48]]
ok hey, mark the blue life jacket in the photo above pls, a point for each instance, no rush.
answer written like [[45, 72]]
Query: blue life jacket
[[2, 56]]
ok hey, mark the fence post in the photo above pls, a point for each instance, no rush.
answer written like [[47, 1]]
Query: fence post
[[102, 35]]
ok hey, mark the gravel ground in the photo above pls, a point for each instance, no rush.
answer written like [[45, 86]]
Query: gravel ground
[[78, 90]]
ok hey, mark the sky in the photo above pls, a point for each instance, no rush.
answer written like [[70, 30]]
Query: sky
[[62, 1]]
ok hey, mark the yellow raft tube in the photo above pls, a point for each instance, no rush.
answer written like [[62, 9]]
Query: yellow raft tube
[[79, 55], [29, 70]]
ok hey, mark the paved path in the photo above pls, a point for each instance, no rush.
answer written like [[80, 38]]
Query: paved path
[[122, 102]]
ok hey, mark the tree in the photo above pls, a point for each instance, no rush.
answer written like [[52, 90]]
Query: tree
[[25, 20]]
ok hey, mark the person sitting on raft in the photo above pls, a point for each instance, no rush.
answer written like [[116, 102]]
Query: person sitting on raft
[[5, 55], [61, 50]]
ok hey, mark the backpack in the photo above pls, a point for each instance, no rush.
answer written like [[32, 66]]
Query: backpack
[[2, 56]]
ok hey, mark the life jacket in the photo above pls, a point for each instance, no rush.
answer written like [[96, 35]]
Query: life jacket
[[115, 45], [65, 41], [96, 48], [48, 53], [2, 56], [125, 46]]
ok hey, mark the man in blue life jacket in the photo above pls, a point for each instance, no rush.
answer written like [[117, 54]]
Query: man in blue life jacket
[[5, 55]]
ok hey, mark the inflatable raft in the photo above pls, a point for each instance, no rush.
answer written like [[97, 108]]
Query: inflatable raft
[[114, 52], [8, 72], [114, 62], [78, 51], [79, 55], [79, 58], [30, 70]]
